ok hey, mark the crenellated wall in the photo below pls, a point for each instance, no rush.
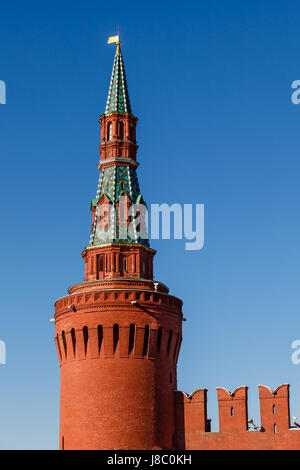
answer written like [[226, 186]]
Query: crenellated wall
[[274, 432], [190, 417]]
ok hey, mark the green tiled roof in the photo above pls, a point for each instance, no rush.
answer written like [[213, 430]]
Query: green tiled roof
[[118, 98], [114, 182], [94, 202]]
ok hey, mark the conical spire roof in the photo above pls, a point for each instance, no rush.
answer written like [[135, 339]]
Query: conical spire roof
[[118, 97]]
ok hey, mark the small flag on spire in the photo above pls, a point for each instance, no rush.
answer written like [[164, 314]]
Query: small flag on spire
[[113, 39]]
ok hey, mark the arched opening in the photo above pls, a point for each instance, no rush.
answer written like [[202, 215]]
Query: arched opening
[[121, 130], [109, 131], [100, 267], [131, 131]]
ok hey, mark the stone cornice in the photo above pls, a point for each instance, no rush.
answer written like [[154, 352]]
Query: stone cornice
[[128, 161], [105, 116], [130, 246]]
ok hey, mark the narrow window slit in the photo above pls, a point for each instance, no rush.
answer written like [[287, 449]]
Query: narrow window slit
[[176, 345], [85, 338], [109, 131], [159, 335], [116, 336], [146, 341], [64, 342], [131, 338], [121, 130], [100, 337], [73, 340], [169, 342], [58, 347]]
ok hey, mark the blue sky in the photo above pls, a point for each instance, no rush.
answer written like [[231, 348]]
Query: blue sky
[[211, 85]]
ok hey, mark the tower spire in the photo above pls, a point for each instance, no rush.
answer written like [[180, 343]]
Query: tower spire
[[118, 181], [118, 333], [118, 97]]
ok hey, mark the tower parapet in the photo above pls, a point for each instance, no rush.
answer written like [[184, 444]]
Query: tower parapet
[[233, 415], [274, 408]]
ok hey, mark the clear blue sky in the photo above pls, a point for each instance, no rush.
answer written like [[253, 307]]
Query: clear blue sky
[[210, 82]]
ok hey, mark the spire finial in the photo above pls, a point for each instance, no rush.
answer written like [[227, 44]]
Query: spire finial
[[118, 42], [115, 39]]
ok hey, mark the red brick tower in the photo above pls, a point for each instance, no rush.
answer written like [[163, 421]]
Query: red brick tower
[[118, 333]]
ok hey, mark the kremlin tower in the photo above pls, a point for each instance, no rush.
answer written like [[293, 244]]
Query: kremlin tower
[[118, 333]]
